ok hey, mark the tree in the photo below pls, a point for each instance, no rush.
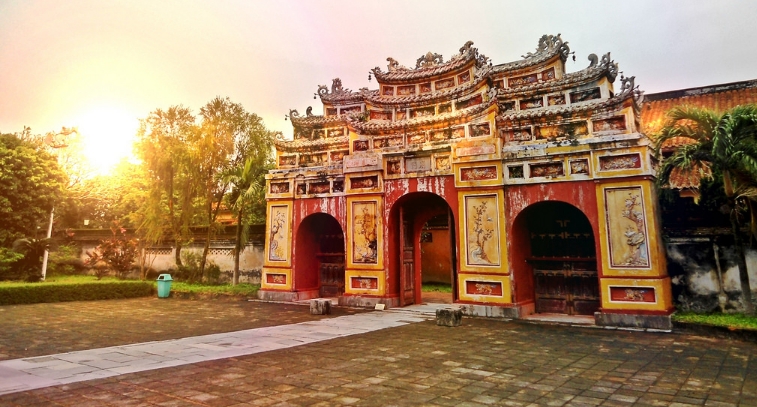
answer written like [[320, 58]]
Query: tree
[[164, 142], [229, 135], [30, 183], [248, 191], [723, 145], [118, 252]]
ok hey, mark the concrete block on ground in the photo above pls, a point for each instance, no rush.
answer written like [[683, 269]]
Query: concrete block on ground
[[449, 317], [320, 307]]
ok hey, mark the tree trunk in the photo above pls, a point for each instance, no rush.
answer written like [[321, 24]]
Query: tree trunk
[[746, 290], [237, 250], [177, 255]]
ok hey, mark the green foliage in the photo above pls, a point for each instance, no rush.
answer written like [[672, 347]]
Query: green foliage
[[726, 320], [56, 292], [249, 290], [8, 258], [30, 183], [65, 260], [29, 267], [436, 288], [213, 273], [118, 252], [190, 268]]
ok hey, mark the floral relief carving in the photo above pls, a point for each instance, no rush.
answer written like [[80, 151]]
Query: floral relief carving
[[626, 228], [482, 230], [365, 238], [277, 249]]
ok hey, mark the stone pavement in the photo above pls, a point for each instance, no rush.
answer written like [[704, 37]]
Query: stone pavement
[[483, 362]]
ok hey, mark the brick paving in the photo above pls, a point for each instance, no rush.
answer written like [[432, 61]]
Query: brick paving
[[484, 362]]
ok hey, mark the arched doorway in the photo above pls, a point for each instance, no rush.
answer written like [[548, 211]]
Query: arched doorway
[[558, 243], [319, 256], [422, 240]]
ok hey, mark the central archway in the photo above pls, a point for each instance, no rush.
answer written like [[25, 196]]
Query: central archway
[[556, 244], [422, 247], [319, 256]]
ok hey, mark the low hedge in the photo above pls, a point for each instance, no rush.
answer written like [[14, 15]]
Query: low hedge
[[52, 292]]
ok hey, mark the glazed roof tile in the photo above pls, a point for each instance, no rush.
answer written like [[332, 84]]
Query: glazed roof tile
[[397, 73], [582, 76], [375, 126], [317, 120], [314, 145], [564, 109]]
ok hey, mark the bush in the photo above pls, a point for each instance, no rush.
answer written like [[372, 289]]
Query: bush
[[65, 261], [57, 292], [8, 258], [190, 271], [213, 273]]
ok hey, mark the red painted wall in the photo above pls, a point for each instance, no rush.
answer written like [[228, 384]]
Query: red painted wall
[[436, 258], [581, 194]]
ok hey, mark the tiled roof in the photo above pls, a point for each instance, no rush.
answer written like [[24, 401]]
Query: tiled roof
[[582, 76], [314, 145], [450, 93], [467, 55], [680, 179], [375, 126], [563, 109], [717, 97], [316, 120]]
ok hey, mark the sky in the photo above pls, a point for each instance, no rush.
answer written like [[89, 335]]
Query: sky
[[102, 65]]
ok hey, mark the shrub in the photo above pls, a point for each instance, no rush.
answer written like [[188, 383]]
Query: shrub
[[52, 292], [190, 271], [213, 272]]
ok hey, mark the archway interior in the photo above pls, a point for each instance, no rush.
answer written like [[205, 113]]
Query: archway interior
[[320, 256], [563, 259], [422, 240]]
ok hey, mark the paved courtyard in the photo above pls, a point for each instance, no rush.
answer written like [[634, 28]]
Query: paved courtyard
[[484, 362]]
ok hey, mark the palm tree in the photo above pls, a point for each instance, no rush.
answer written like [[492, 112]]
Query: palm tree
[[722, 145], [247, 185]]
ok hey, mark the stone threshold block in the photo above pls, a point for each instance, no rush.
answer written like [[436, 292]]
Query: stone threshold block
[[320, 307], [449, 317]]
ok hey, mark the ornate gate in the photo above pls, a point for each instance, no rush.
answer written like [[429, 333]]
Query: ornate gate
[[331, 265]]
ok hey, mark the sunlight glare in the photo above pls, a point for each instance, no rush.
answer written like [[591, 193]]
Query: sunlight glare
[[108, 134]]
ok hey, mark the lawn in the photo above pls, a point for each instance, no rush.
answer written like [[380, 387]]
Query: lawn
[[738, 321]]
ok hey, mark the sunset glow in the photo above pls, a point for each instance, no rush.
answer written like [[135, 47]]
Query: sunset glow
[[108, 136]]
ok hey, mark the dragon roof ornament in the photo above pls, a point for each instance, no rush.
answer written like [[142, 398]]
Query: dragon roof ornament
[[605, 63], [431, 64], [339, 93], [548, 44]]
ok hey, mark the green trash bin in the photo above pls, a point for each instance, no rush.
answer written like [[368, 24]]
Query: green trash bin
[[164, 285]]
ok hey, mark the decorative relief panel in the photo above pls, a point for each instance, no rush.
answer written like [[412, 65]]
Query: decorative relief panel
[[394, 167], [554, 100], [401, 115], [380, 115], [278, 242], [445, 83], [387, 142], [301, 189], [547, 170], [626, 228], [364, 283], [577, 129], [633, 294], [364, 232], [483, 288], [517, 134], [336, 132], [319, 188], [549, 74], [330, 111], [443, 163], [339, 186], [417, 138], [523, 80], [312, 159], [531, 103], [482, 230], [478, 173], [287, 160], [338, 156], [619, 162], [507, 106], [499, 83], [417, 164], [405, 90], [423, 112], [370, 160], [474, 101], [584, 95], [279, 187], [364, 182], [361, 145], [579, 166], [351, 109], [273, 278], [463, 77], [481, 149], [515, 171], [614, 125], [445, 108], [425, 87], [479, 130], [387, 90]]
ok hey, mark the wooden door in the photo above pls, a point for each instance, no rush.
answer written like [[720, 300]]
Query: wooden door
[[407, 269], [566, 287], [452, 254]]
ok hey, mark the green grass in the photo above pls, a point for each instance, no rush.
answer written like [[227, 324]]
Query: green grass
[[436, 288], [726, 320], [73, 279], [225, 289]]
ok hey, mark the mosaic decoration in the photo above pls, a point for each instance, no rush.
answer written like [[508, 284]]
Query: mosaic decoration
[[279, 227], [425, 87], [312, 159], [362, 160], [364, 182], [555, 100], [445, 83], [518, 135], [632, 294], [445, 108], [418, 164], [549, 74], [360, 145], [380, 115], [584, 95], [458, 132], [515, 171], [364, 283], [405, 90], [474, 101], [337, 156], [579, 166], [416, 138], [531, 103], [279, 187], [615, 124], [320, 188], [401, 115], [478, 174], [336, 132], [482, 230], [287, 160], [483, 288], [499, 83], [364, 235], [331, 111], [619, 162], [319, 134], [338, 186], [566, 130], [301, 189], [387, 142], [522, 80], [476, 150], [387, 91], [507, 106], [442, 163], [463, 77], [547, 170], [626, 227], [393, 167], [423, 112], [478, 130], [276, 278], [353, 109]]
